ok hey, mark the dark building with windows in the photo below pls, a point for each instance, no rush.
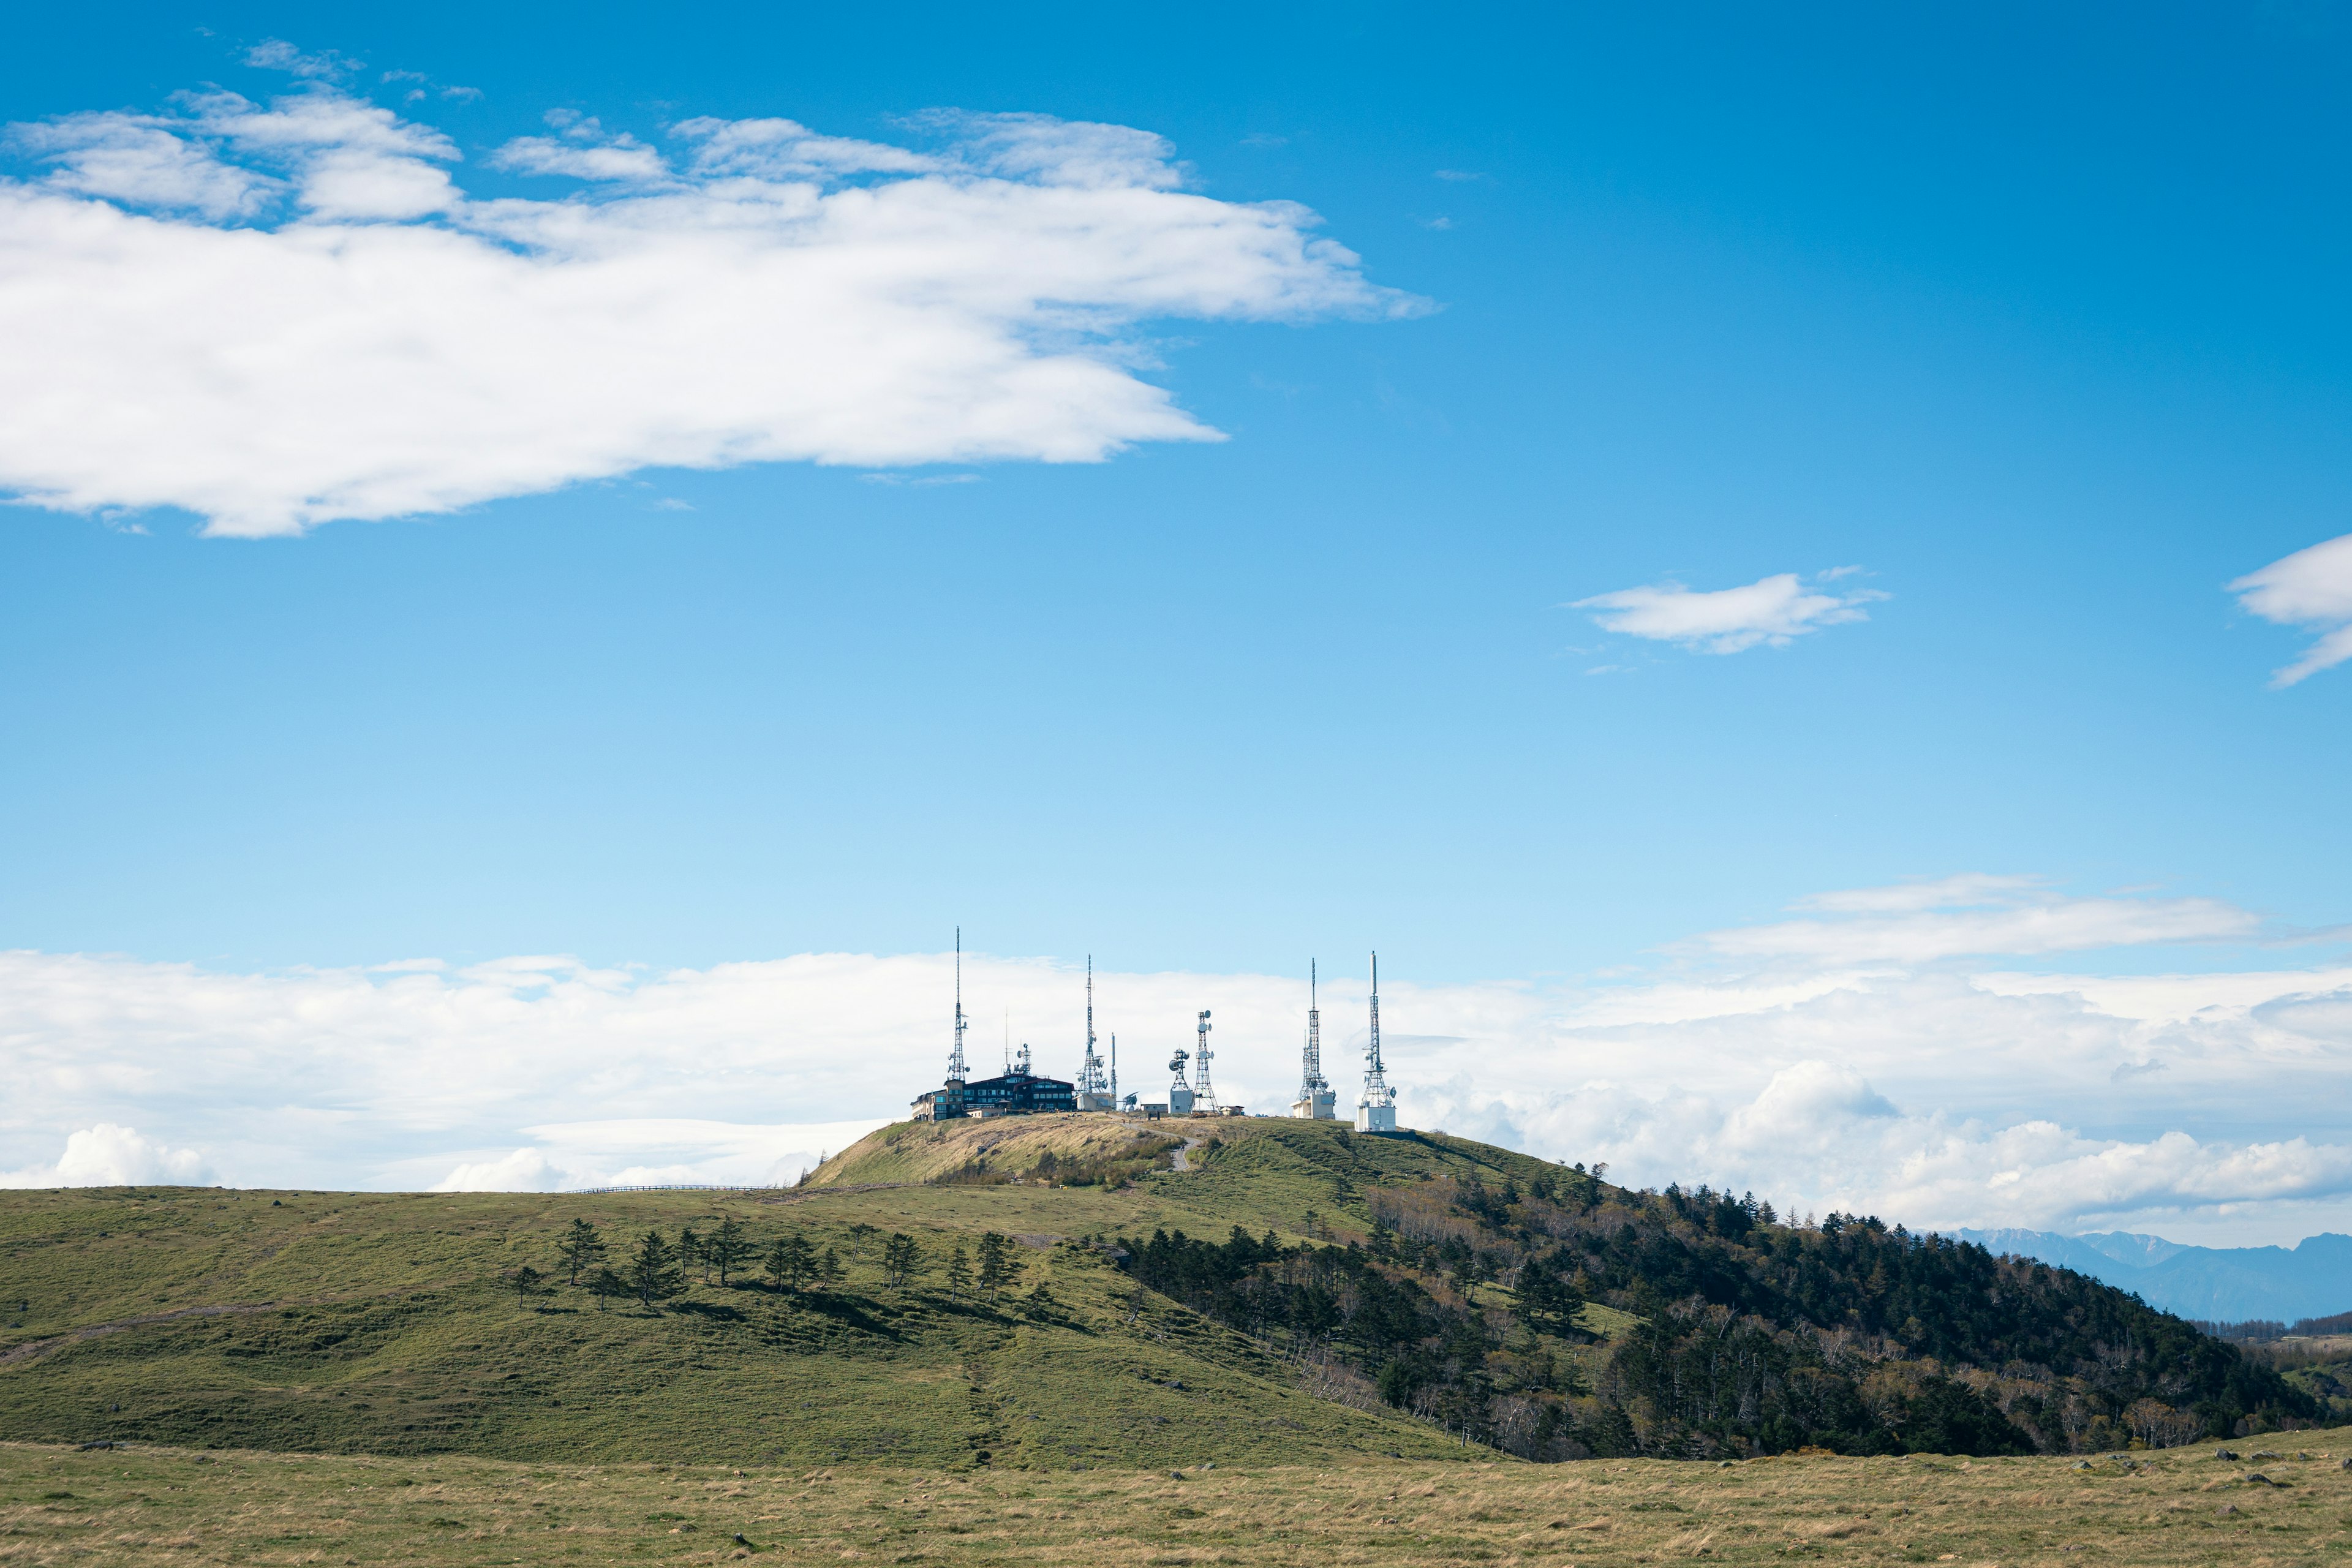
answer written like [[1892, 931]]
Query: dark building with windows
[[1017, 1091]]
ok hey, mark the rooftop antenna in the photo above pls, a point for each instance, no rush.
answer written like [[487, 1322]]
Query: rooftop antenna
[[955, 1059], [1204, 1097], [1114, 1072], [1376, 1108]]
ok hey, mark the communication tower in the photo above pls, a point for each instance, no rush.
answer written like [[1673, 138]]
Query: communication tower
[[955, 1058], [1180, 1093], [1316, 1101], [1094, 1093], [1204, 1098], [1376, 1108]]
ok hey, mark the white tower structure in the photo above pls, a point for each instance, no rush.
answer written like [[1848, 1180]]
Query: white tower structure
[[1317, 1100], [1093, 1090], [1376, 1106], [1180, 1093], [1204, 1098]]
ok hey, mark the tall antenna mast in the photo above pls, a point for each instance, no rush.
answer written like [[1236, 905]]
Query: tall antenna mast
[[1114, 1072], [955, 1058], [1376, 1108], [1204, 1097], [1313, 1078], [1092, 1093], [1315, 1096]]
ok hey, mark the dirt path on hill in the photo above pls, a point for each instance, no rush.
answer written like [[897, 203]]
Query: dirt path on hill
[[1183, 1156]]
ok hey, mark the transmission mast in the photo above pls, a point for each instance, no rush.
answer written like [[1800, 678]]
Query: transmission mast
[[1315, 1097], [1204, 1098], [1376, 1109], [1093, 1094], [955, 1058]]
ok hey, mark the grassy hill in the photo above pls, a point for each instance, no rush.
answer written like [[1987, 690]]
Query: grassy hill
[[1295, 1294]]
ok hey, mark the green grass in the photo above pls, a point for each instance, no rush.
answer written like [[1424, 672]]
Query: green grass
[[365, 1323], [147, 1506]]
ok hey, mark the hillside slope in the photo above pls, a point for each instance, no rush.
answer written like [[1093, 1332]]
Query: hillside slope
[[1409, 1295]]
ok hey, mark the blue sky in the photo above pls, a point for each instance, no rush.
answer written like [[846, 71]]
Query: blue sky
[[2009, 343]]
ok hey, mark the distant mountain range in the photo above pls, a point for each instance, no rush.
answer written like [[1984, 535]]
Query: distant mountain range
[[2312, 1278]]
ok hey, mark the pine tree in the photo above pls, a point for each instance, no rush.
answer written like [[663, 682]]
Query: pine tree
[[605, 1285], [525, 1282], [829, 1270], [902, 1259], [998, 1266], [790, 1263], [580, 1249], [960, 1274], [726, 1247], [692, 1252], [653, 1272]]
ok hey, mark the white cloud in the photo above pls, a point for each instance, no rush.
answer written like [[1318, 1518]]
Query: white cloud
[[2312, 589], [143, 161], [1770, 611], [277, 315], [1913, 923], [654, 1150], [107, 1156], [278, 55], [1871, 1072]]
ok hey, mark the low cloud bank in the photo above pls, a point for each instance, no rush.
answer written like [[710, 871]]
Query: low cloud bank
[[1938, 1090]]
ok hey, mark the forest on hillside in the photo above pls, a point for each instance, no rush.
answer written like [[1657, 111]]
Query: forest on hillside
[[1752, 1336]]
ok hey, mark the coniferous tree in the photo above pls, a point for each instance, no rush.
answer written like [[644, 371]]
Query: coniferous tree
[[580, 1249], [960, 1273], [654, 1274], [902, 1259], [525, 1282], [605, 1286], [726, 1248], [829, 1270], [790, 1262], [998, 1266], [692, 1252]]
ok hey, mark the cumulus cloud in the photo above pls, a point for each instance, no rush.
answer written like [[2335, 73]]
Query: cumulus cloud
[[276, 314], [2312, 589], [107, 1156], [1769, 612], [1890, 1069]]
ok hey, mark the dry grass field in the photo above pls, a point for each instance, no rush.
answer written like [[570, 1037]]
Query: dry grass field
[[143, 1506]]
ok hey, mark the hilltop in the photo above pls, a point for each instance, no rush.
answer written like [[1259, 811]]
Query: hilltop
[[1294, 1292]]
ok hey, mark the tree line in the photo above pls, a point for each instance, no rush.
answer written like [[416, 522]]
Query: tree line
[[653, 1268], [1753, 1336]]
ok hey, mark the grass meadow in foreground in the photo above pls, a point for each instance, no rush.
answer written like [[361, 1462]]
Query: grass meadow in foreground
[[145, 1505]]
